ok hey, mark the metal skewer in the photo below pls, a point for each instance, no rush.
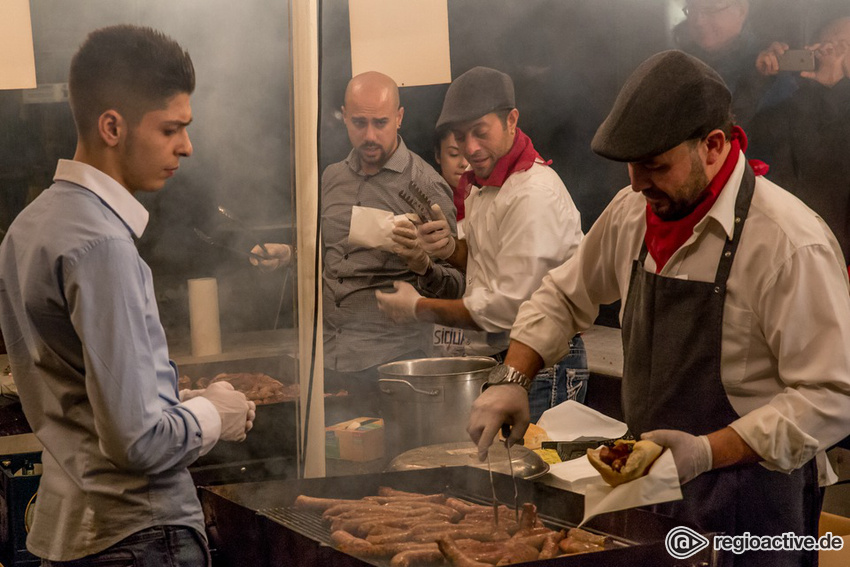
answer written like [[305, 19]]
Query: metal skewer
[[230, 216], [209, 240]]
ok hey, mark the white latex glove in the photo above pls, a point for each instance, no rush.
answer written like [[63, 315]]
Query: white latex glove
[[436, 236], [498, 405], [188, 394], [236, 412], [691, 454], [399, 306], [279, 255], [409, 247]]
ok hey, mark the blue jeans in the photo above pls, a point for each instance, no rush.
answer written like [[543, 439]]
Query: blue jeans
[[159, 546], [566, 380]]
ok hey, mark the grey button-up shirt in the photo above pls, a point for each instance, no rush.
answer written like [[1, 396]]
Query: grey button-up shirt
[[357, 334]]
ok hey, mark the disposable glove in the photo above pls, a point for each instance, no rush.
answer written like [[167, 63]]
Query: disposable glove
[[496, 406], [408, 246], [691, 454], [278, 255], [188, 394], [236, 412], [399, 306], [436, 236]]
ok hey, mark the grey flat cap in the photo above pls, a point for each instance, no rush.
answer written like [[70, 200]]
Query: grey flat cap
[[477, 92], [670, 98]]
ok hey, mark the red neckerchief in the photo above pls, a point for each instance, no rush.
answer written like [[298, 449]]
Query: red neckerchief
[[520, 157], [663, 238], [458, 197]]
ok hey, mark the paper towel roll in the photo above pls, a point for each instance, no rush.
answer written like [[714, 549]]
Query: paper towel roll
[[203, 316]]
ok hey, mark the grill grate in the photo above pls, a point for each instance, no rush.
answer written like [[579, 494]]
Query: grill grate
[[308, 524]]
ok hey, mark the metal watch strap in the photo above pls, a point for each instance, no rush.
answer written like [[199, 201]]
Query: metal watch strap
[[513, 376]]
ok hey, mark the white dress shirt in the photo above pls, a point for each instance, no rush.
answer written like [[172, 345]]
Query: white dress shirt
[[515, 233]]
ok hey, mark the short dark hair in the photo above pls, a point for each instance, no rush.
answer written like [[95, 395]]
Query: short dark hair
[[439, 135], [128, 68], [502, 115]]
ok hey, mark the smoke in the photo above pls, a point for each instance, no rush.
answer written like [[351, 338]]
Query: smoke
[[567, 59], [240, 134]]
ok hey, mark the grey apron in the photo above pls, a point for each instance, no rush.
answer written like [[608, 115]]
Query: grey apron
[[672, 332]]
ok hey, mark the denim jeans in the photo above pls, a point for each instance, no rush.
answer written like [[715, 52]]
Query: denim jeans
[[566, 380], [159, 546]]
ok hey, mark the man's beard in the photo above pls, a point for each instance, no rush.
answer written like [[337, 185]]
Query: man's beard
[[693, 193], [380, 159]]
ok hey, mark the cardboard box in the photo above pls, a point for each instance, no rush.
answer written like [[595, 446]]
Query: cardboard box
[[838, 526], [360, 439]]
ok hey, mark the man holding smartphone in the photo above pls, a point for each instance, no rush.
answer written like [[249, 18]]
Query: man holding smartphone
[[806, 139]]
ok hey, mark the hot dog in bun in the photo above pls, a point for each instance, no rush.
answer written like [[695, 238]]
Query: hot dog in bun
[[625, 461]]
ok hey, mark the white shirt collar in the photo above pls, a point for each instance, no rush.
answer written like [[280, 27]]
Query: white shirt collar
[[723, 210], [115, 195]]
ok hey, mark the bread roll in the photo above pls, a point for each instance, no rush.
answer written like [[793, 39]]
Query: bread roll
[[533, 438], [642, 455]]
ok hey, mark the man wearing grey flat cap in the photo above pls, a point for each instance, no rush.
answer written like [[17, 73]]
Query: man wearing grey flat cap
[[736, 314], [520, 223]]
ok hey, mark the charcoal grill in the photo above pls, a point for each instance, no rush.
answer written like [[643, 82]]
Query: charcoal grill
[[254, 524]]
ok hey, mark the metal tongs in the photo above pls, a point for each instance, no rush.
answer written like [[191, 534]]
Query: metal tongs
[[506, 431], [418, 201]]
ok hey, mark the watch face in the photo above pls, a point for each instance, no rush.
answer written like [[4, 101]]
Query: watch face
[[498, 374]]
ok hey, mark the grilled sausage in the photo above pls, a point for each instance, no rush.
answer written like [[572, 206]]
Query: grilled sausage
[[455, 556], [550, 544], [418, 557]]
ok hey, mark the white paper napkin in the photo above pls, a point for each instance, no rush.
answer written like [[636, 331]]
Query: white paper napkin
[[373, 228], [573, 475], [570, 420], [660, 485]]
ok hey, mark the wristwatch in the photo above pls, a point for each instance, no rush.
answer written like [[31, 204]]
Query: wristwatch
[[504, 374]]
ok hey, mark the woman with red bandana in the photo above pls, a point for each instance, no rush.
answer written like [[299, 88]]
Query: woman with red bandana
[[736, 314]]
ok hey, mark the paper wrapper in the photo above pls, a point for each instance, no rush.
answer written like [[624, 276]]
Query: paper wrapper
[[660, 485], [573, 475], [570, 420], [373, 228]]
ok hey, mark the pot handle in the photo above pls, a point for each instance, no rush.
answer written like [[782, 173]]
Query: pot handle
[[412, 387]]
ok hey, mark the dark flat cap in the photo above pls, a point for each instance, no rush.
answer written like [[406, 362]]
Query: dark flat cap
[[477, 92], [670, 98]]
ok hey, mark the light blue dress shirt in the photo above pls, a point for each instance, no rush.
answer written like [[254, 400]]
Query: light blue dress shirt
[[90, 362]]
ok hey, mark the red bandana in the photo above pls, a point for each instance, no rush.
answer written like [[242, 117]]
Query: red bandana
[[458, 198], [663, 238], [521, 157]]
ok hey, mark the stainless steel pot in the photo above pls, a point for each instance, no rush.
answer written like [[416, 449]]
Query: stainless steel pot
[[426, 401]]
